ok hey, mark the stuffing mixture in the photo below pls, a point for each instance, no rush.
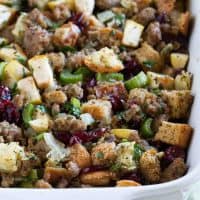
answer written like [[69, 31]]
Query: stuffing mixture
[[93, 93]]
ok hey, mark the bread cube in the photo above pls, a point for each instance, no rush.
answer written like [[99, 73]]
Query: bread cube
[[13, 72], [6, 14], [184, 23], [165, 6], [42, 71], [160, 81], [29, 90], [174, 134], [10, 155], [104, 61], [132, 33], [84, 6], [99, 109], [179, 102], [147, 54]]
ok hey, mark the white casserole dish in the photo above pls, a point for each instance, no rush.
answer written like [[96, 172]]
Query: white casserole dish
[[171, 190]]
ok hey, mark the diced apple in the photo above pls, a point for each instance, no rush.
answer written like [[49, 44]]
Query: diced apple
[[13, 72], [179, 60], [29, 90], [42, 71], [132, 33], [12, 52], [40, 125], [85, 6], [160, 81], [6, 14]]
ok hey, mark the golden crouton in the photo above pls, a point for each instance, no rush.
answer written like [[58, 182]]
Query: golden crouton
[[104, 154], [80, 156], [179, 103], [175, 170], [53, 175], [104, 61], [184, 23], [99, 178], [111, 89], [165, 6], [58, 97], [99, 109], [160, 81], [146, 55], [174, 134], [150, 166], [143, 3], [127, 183]]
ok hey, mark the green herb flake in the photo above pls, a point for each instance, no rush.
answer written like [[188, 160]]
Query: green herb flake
[[68, 49], [149, 63], [137, 152], [99, 155]]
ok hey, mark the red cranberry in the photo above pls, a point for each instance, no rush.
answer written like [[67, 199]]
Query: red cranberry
[[117, 103], [88, 84], [92, 169], [162, 18], [62, 136], [132, 68], [9, 112], [79, 20], [84, 137], [172, 153], [5, 93]]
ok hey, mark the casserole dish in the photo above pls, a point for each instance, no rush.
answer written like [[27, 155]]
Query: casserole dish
[[167, 190]]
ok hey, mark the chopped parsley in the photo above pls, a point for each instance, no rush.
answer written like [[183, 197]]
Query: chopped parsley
[[149, 63]]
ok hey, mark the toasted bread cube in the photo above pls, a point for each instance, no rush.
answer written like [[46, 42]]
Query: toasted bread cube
[[28, 88], [55, 96], [12, 52], [132, 33], [99, 109], [184, 23], [125, 156], [42, 71], [104, 61], [174, 134], [150, 166], [13, 72], [10, 155], [127, 183], [183, 81], [165, 6], [160, 81], [70, 3], [179, 102], [179, 60], [6, 14], [66, 35], [84, 6], [20, 25], [147, 53]]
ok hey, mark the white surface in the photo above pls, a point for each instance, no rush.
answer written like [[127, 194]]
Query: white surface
[[164, 191]]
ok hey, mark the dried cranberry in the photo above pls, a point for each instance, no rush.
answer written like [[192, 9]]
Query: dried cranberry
[[172, 153], [158, 145], [132, 68], [87, 85], [5, 93], [79, 20], [9, 112], [84, 136], [62, 136], [117, 103], [134, 176], [92, 169], [162, 18]]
